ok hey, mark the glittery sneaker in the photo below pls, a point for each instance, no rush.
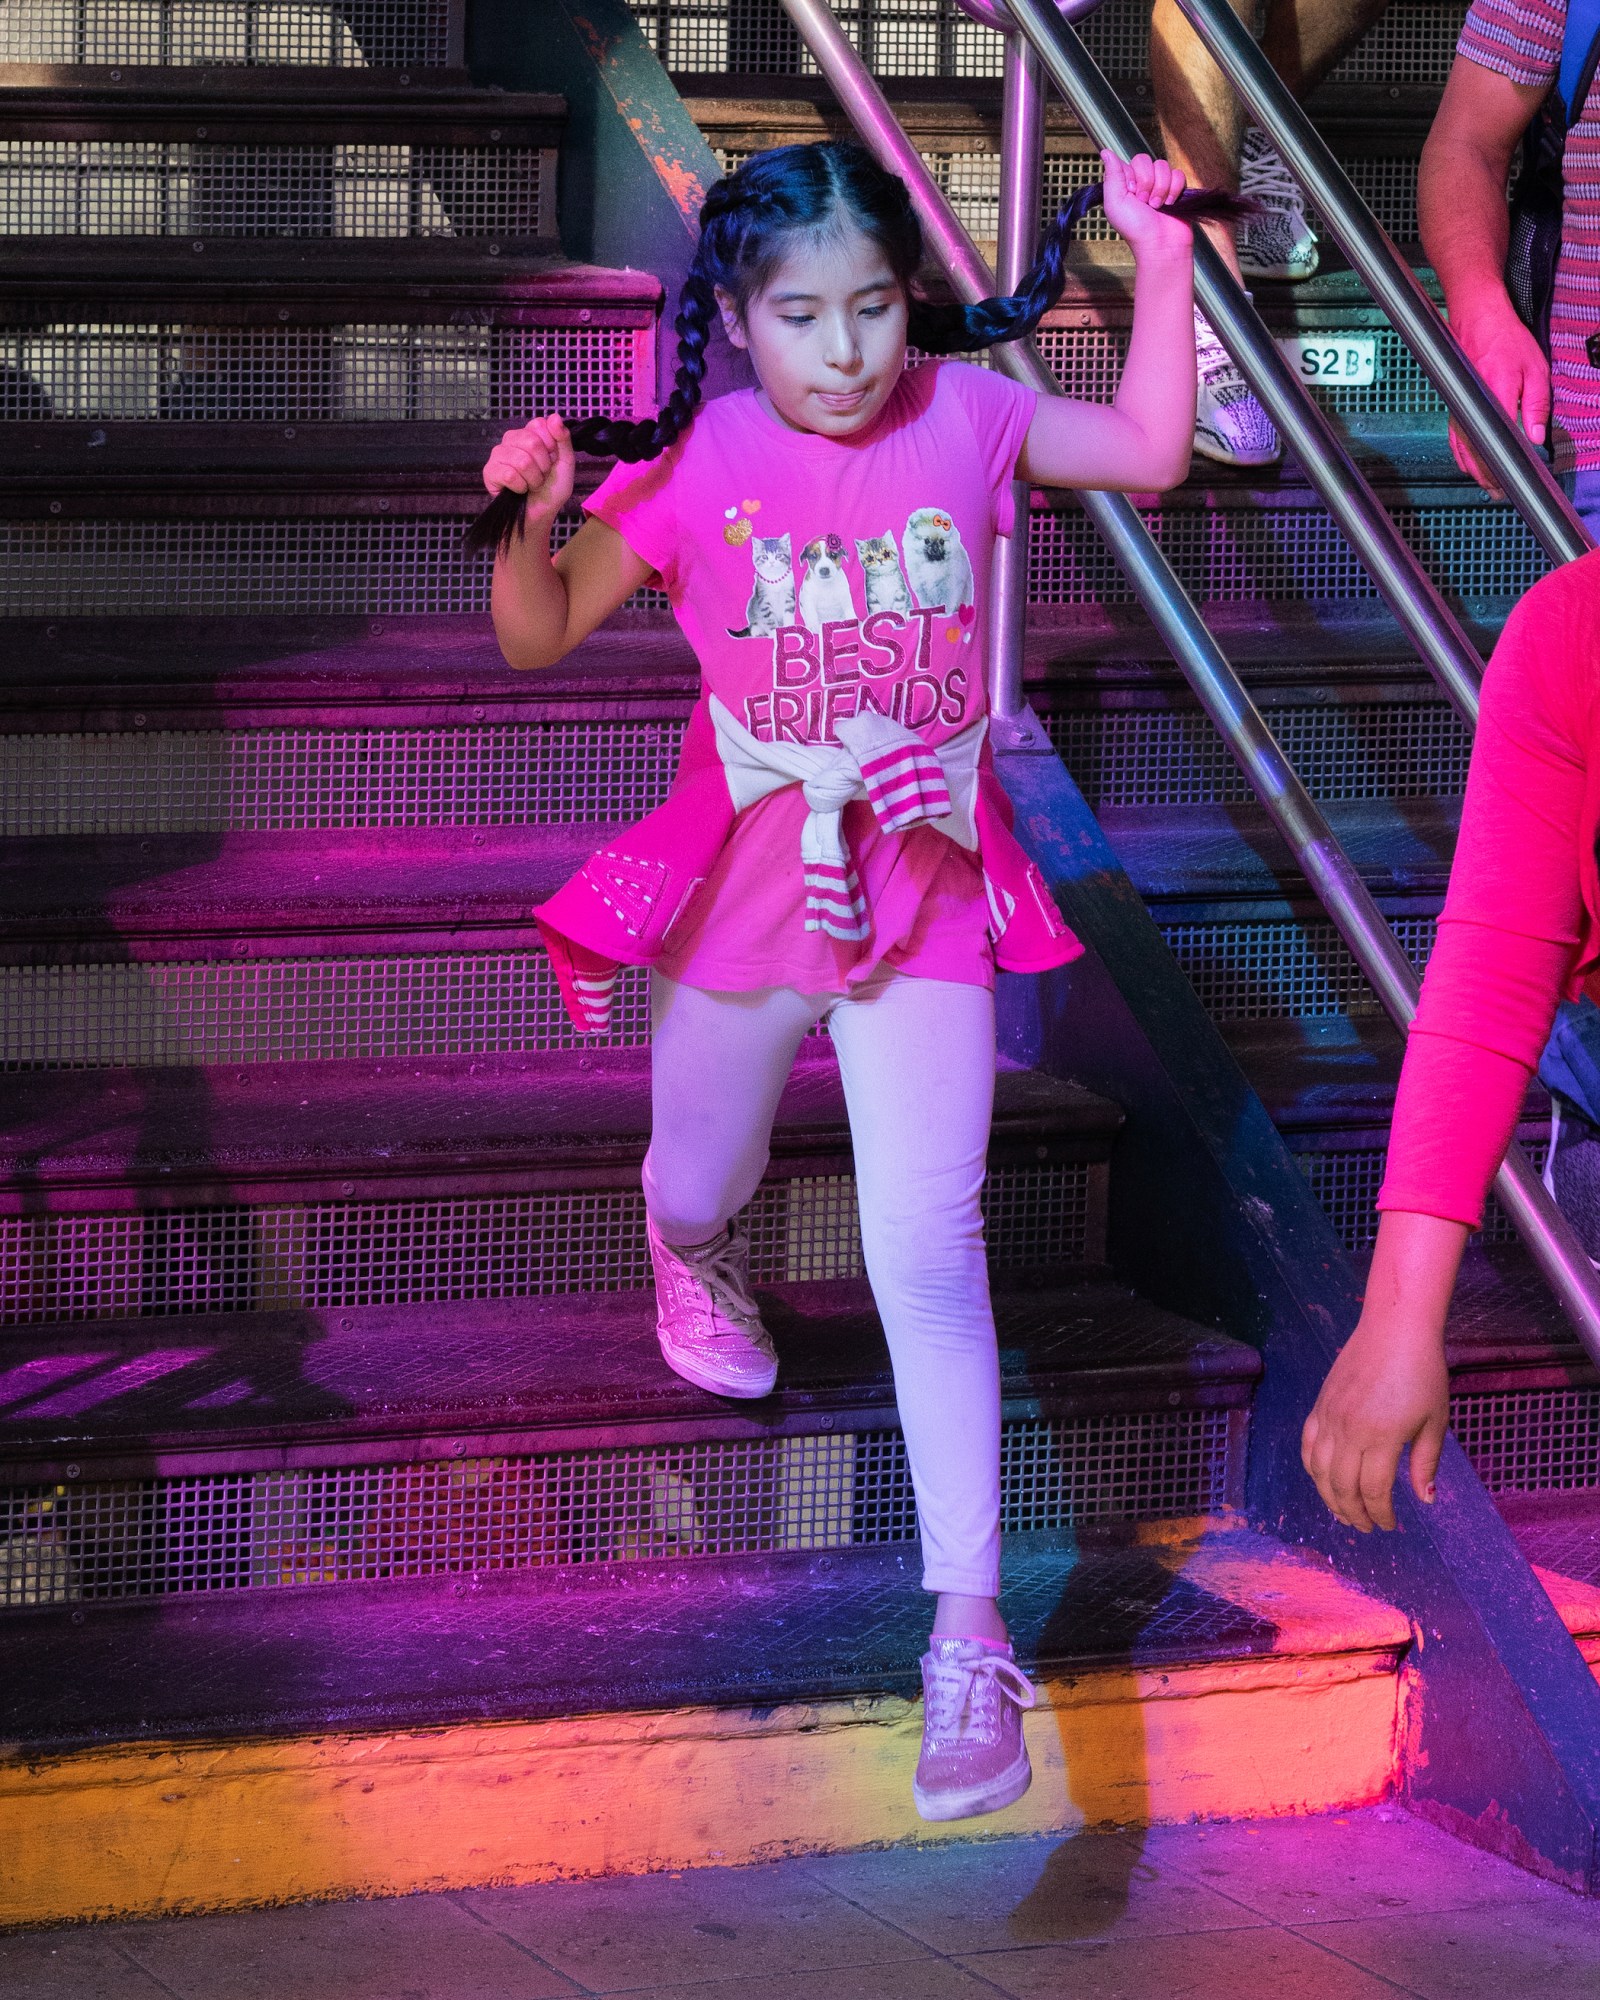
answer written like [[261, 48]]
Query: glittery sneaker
[[1279, 242], [1229, 424], [973, 1757], [708, 1324]]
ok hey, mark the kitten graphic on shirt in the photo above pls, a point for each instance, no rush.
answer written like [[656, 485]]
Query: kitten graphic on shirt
[[937, 565], [824, 588], [887, 589], [772, 600]]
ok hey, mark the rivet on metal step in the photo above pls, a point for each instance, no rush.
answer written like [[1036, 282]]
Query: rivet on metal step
[[77, 1617], [1174, 1397], [376, 625], [345, 1325], [138, 722], [347, 1187], [477, 715], [585, 314], [827, 1423], [73, 1471], [494, 132], [494, 251], [197, 248], [458, 1449], [383, 505], [405, 79], [116, 76], [283, 312], [200, 131], [55, 506], [477, 840], [1041, 1152], [289, 431]]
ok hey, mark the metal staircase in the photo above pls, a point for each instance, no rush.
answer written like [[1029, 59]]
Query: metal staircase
[[332, 1413]]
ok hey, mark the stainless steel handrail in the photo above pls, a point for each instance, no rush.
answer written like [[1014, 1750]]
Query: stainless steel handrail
[[1518, 466], [1411, 594], [1223, 696]]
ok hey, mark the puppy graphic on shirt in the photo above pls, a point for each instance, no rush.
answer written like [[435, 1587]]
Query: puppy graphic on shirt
[[938, 568], [824, 588]]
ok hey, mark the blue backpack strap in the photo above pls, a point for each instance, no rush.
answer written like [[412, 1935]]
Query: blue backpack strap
[[1578, 39]]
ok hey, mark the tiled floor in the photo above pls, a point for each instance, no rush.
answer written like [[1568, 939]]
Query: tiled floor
[[1351, 1908]]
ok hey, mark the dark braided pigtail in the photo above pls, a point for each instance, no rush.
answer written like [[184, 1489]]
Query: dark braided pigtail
[[957, 329], [504, 519]]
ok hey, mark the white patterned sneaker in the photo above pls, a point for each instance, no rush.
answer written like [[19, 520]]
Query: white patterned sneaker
[[708, 1324], [973, 1757], [1229, 424], [1279, 242]]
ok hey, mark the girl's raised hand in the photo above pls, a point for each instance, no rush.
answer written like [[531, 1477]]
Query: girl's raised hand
[[537, 460], [1138, 191]]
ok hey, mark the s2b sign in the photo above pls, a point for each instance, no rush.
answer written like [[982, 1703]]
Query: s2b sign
[[1328, 360]]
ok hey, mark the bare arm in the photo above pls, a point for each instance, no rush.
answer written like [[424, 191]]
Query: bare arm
[[1141, 441], [1390, 1386], [544, 605], [1461, 207]]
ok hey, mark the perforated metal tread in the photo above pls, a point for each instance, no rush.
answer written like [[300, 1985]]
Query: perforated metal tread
[[379, 1129], [744, 1631], [1557, 1531], [207, 892], [134, 274], [1505, 1328], [237, 108], [1175, 854], [555, 1371]]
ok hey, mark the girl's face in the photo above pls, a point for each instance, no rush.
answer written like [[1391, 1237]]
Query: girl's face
[[827, 338]]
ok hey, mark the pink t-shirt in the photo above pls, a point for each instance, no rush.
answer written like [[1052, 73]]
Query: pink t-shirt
[[816, 578]]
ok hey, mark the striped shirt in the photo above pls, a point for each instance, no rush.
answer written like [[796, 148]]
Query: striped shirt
[[1521, 39]]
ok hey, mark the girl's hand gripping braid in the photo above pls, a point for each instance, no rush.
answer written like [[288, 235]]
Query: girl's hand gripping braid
[[537, 460], [544, 606]]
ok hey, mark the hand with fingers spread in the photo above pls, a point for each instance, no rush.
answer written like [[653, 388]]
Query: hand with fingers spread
[[537, 460], [1389, 1386], [1138, 191]]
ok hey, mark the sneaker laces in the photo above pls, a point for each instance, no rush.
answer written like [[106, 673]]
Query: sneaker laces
[[723, 1268], [1264, 177], [962, 1690]]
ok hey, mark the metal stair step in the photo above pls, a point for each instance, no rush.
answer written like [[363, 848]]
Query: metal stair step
[[366, 1130], [529, 1376], [651, 1635], [376, 161]]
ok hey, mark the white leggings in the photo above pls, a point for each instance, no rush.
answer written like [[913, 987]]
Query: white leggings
[[917, 1061]]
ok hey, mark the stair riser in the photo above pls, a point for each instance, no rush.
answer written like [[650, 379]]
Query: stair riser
[[589, 362], [1345, 1178], [284, 1251], [418, 34], [463, 1507], [162, 187], [1412, 44], [387, 562]]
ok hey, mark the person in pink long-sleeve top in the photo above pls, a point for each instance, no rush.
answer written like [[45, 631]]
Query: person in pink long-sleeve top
[[1520, 931]]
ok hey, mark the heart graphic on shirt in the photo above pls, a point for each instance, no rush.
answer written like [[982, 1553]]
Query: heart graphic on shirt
[[752, 506], [730, 513], [736, 534], [967, 613], [953, 634]]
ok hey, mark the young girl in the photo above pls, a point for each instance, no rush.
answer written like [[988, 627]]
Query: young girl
[[836, 846]]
